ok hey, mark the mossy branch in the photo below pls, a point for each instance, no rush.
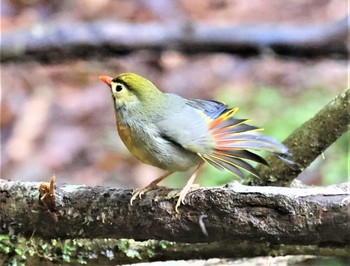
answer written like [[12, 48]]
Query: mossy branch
[[293, 216], [307, 142], [35, 251]]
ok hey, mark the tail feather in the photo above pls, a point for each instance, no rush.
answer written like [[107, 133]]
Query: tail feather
[[230, 122], [237, 129], [220, 164], [261, 145], [284, 158], [235, 162], [212, 162], [248, 140], [232, 140], [222, 118], [246, 155]]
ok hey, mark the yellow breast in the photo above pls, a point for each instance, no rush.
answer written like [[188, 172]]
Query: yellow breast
[[129, 141], [125, 134]]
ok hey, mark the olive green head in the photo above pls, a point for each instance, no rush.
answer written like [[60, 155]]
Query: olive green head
[[129, 89]]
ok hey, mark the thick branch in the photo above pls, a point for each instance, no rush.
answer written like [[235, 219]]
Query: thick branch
[[276, 215], [54, 41], [112, 252], [307, 142]]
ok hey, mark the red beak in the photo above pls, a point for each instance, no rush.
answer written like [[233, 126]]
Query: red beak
[[106, 79]]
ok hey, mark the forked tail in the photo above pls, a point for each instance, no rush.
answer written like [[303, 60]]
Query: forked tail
[[233, 139]]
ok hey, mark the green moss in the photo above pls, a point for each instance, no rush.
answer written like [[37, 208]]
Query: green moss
[[126, 246]]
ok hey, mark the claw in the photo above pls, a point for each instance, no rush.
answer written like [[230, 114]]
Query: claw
[[182, 195], [153, 185], [189, 186], [140, 191], [193, 187]]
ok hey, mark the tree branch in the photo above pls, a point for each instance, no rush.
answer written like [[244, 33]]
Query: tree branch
[[54, 41], [123, 251], [307, 142], [294, 216]]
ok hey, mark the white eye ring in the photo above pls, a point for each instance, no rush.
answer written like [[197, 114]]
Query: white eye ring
[[117, 87]]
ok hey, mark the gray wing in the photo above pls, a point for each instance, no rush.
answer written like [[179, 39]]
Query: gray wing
[[184, 125], [210, 108]]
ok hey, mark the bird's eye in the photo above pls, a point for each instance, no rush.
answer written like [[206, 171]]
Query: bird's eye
[[118, 88]]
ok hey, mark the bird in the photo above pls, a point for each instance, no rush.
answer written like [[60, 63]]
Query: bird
[[175, 134]]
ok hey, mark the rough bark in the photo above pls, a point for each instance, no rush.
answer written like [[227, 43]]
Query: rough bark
[[307, 142], [53, 41], [111, 252], [293, 216]]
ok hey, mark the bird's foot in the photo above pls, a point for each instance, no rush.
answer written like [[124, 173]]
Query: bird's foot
[[153, 185], [182, 195], [137, 193]]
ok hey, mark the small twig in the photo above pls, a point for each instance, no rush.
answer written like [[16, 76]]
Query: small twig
[[47, 197], [202, 225]]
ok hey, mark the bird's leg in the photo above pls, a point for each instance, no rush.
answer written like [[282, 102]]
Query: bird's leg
[[187, 187], [153, 185]]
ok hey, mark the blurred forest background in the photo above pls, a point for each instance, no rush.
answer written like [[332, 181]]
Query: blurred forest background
[[58, 118]]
